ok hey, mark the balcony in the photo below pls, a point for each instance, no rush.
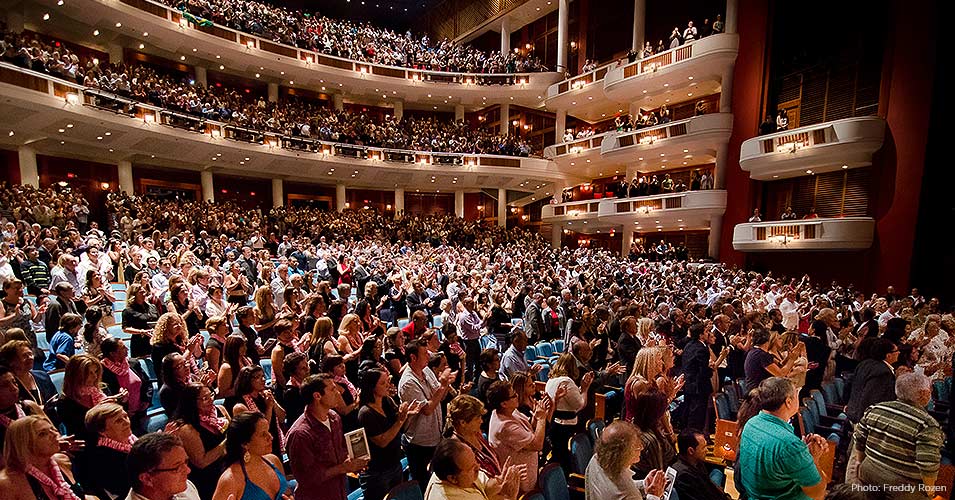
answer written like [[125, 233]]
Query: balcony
[[249, 54], [581, 151], [647, 147], [584, 95], [847, 233], [696, 69], [689, 210], [824, 147], [58, 117]]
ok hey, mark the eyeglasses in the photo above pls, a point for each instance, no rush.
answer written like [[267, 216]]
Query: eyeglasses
[[177, 468]]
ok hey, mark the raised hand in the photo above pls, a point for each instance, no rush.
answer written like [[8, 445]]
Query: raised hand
[[655, 482]]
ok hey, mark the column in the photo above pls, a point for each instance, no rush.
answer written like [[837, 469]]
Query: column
[[399, 109], [125, 174], [29, 176], [459, 112], [732, 10], [278, 193], [719, 173], [502, 207], [459, 203], [505, 118], [634, 110], [273, 92], [556, 233], [15, 19], [208, 191], [339, 101], [200, 75], [399, 201], [561, 126], [726, 90], [626, 237], [639, 24], [340, 196], [713, 241], [563, 28], [115, 53], [505, 35]]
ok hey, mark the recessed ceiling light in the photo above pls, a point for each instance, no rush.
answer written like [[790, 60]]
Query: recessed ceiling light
[[119, 25], [61, 130], [99, 138], [145, 33], [109, 133], [46, 17], [845, 167], [142, 46], [182, 58], [95, 32]]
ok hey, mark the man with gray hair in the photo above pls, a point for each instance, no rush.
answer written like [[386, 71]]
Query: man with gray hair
[[533, 322], [898, 444]]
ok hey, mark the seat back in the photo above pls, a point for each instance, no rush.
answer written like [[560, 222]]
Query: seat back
[[544, 372], [57, 378], [559, 346], [941, 390], [840, 384], [820, 400], [552, 483], [830, 393], [407, 490], [582, 451], [722, 405], [726, 440], [595, 428], [437, 321], [156, 422], [545, 349], [530, 354]]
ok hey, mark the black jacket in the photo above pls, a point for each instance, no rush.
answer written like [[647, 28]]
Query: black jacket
[[872, 383], [693, 482], [627, 347], [696, 368]]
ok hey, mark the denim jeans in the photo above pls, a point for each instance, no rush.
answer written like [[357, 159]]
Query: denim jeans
[[377, 484]]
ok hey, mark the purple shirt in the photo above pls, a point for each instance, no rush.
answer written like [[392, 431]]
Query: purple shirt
[[313, 449], [469, 324]]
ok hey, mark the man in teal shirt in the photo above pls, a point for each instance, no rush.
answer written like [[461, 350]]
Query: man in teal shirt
[[773, 462]]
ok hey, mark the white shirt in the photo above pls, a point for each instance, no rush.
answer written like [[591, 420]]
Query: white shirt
[[573, 401], [191, 493]]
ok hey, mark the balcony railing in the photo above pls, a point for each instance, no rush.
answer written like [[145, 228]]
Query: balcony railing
[[578, 82], [586, 208], [845, 233], [666, 207], [575, 146]]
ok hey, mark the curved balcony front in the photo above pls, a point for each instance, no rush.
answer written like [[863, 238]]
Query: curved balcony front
[[584, 96], [60, 118], [669, 144], [824, 147], [249, 54], [846, 233], [688, 210], [696, 68], [577, 152]]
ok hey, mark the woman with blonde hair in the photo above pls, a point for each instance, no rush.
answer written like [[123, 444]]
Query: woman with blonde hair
[[350, 340], [465, 416], [170, 336], [322, 342], [35, 468], [645, 328], [569, 399], [83, 389], [266, 312], [649, 373]]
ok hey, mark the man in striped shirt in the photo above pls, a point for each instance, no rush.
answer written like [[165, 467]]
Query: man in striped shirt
[[898, 444]]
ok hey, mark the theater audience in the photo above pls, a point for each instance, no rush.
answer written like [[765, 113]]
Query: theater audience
[[101, 467], [34, 467], [609, 475], [201, 425], [253, 471]]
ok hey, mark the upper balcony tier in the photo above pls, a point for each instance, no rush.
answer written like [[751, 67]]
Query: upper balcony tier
[[689, 210], [168, 31], [583, 96], [60, 118], [824, 147], [694, 69], [847, 233]]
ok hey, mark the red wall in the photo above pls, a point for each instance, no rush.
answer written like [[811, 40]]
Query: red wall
[[10, 171], [247, 192]]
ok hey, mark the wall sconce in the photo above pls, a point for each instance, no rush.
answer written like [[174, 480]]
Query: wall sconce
[[515, 122], [72, 98], [149, 117], [216, 133], [388, 207], [250, 44], [347, 205], [183, 22], [105, 186]]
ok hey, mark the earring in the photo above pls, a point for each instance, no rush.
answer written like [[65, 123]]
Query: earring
[[247, 457]]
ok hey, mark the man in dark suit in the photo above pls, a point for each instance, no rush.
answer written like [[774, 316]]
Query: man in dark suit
[[692, 477], [628, 344], [874, 379], [698, 376]]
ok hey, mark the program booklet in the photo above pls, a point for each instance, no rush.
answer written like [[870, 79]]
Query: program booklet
[[357, 443]]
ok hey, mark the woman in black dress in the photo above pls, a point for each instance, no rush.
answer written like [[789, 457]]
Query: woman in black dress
[[137, 318], [201, 425], [251, 394], [335, 366]]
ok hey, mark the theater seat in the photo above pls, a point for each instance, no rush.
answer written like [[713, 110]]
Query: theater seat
[[156, 422], [582, 451], [408, 490], [553, 483]]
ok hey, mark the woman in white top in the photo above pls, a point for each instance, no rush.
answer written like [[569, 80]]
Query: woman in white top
[[566, 405]]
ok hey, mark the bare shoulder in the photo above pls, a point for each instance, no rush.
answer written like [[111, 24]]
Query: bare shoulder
[[15, 486]]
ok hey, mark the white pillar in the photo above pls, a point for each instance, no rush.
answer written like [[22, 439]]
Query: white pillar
[[201, 76], [399, 109], [502, 207], [719, 173], [505, 118], [556, 233], [124, 171], [732, 14], [29, 176], [278, 193], [340, 196], [458, 112], [639, 24], [563, 29], [561, 126], [339, 101], [399, 201], [726, 90], [115, 53], [459, 204], [634, 110], [273, 92], [15, 19], [208, 190], [713, 241], [505, 35], [626, 237]]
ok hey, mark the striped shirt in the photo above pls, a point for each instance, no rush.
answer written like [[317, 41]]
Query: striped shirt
[[901, 438]]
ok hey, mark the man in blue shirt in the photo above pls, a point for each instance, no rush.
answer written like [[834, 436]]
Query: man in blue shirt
[[773, 462]]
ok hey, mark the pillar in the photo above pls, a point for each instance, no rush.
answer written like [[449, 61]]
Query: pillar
[[340, 196], [713, 240], [208, 190], [634, 110], [278, 193], [339, 101], [200, 76], [29, 176], [722, 161], [459, 203], [125, 175], [730, 25], [399, 109], [15, 19], [563, 29], [502, 207], [561, 126], [115, 53], [273, 92], [459, 112], [505, 118], [556, 233], [505, 35], [726, 90], [626, 239], [399, 201], [639, 24]]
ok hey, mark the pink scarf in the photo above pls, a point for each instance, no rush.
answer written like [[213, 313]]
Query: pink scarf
[[117, 445], [120, 369], [213, 422], [6, 421], [56, 483], [250, 404], [91, 394], [347, 383]]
